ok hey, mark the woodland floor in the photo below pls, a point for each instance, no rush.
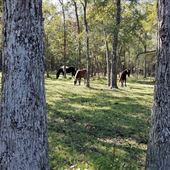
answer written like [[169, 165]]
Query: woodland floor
[[98, 128]]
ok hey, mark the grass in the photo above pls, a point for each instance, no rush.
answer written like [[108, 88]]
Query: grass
[[98, 128]]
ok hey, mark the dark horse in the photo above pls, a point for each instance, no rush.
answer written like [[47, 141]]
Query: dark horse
[[71, 70], [123, 76], [80, 74]]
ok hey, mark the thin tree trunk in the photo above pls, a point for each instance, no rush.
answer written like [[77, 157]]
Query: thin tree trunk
[[87, 43], [78, 33], [108, 63], [145, 72], [65, 36], [65, 43], [23, 121], [158, 154], [47, 57], [119, 60], [115, 45], [124, 58], [96, 62], [129, 61]]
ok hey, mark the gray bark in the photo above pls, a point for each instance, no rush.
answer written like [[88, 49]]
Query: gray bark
[[23, 119], [145, 68], [78, 33], [108, 62], [65, 36], [87, 43], [145, 50], [158, 154], [115, 45], [47, 56]]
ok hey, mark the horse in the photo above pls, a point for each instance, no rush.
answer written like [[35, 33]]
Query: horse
[[79, 75], [123, 76], [71, 70]]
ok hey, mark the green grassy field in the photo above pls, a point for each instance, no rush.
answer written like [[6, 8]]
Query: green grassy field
[[98, 128]]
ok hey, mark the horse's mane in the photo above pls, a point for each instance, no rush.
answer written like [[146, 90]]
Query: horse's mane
[[63, 67], [78, 71]]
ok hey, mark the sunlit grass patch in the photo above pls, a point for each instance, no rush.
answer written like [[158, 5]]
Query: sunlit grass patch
[[98, 128]]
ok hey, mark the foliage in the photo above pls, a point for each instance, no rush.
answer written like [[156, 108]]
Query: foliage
[[137, 30]]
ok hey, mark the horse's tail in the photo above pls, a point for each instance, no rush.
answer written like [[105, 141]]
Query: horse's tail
[[76, 75], [73, 71], [120, 77]]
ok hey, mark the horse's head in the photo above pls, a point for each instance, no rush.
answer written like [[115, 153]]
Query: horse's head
[[74, 71], [128, 72], [58, 73]]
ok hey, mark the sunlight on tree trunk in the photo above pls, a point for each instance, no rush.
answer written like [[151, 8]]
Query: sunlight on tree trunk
[[87, 43], [65, 36], [78, 62], [115, 46], [158, 154], [23, 123]]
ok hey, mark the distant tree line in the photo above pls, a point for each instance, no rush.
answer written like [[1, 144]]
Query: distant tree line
[[137, 34]]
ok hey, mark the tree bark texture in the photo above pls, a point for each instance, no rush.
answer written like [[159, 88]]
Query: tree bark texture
[[65, 36], [78, 34], [87, 44], [145, 62], [115, 46], [158, 154], [108, 62], [23, 121]]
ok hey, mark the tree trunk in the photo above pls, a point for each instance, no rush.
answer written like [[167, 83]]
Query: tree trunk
[[158, 154], [47, 56], [87, 44], [78, 33], [129, 61], [115, 45], [65, 37], [108, 63], [23, 119], [145, 71], [124, 58]]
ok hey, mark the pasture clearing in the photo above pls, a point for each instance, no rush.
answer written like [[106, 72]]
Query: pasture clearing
[[98, 128]]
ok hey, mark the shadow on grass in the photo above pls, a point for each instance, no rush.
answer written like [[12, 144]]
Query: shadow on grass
[[141, 80], [152, 82], [86, 132]]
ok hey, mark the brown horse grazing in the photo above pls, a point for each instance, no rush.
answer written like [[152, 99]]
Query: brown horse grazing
[[80, 74], [123, 76]]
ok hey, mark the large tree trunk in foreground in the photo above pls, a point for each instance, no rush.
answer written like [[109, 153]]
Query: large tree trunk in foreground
[[23, 122], [158, 155]]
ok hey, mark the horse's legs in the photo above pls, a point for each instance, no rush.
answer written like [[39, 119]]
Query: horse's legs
[[79, 81], [75, 81], [63, 72], [125, 82], [121, 83], [57, 74]]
